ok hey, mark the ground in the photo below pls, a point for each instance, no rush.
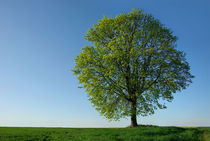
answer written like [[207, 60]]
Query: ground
[[105, 134]]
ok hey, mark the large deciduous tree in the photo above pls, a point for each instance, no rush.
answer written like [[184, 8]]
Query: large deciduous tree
[[131, 66]]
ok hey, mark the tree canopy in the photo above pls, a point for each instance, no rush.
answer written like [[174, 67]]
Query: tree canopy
[[131, 66]]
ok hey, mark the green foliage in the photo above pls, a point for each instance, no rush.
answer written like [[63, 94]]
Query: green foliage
[[102, 134], [132, 64]]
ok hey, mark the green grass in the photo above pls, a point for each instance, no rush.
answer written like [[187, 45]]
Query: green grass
[[104, 134], [206, 133]]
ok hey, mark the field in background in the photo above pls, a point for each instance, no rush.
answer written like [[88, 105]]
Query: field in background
[[104, 134]]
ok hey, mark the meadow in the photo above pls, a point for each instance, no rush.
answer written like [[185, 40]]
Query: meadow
[[105, 134]]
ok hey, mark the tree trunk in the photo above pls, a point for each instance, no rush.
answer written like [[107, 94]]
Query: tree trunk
[[133, 114]]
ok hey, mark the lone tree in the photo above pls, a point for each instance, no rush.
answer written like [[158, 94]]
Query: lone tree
[[131, 65]]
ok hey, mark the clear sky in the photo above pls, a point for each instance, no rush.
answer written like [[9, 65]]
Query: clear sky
[[39, 40]]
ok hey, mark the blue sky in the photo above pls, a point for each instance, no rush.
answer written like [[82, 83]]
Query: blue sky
[[40, 39]]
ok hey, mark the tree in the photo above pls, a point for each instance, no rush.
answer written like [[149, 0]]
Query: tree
[[131, 66]]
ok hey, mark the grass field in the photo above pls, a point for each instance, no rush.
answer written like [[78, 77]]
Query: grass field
[[104, 134]]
